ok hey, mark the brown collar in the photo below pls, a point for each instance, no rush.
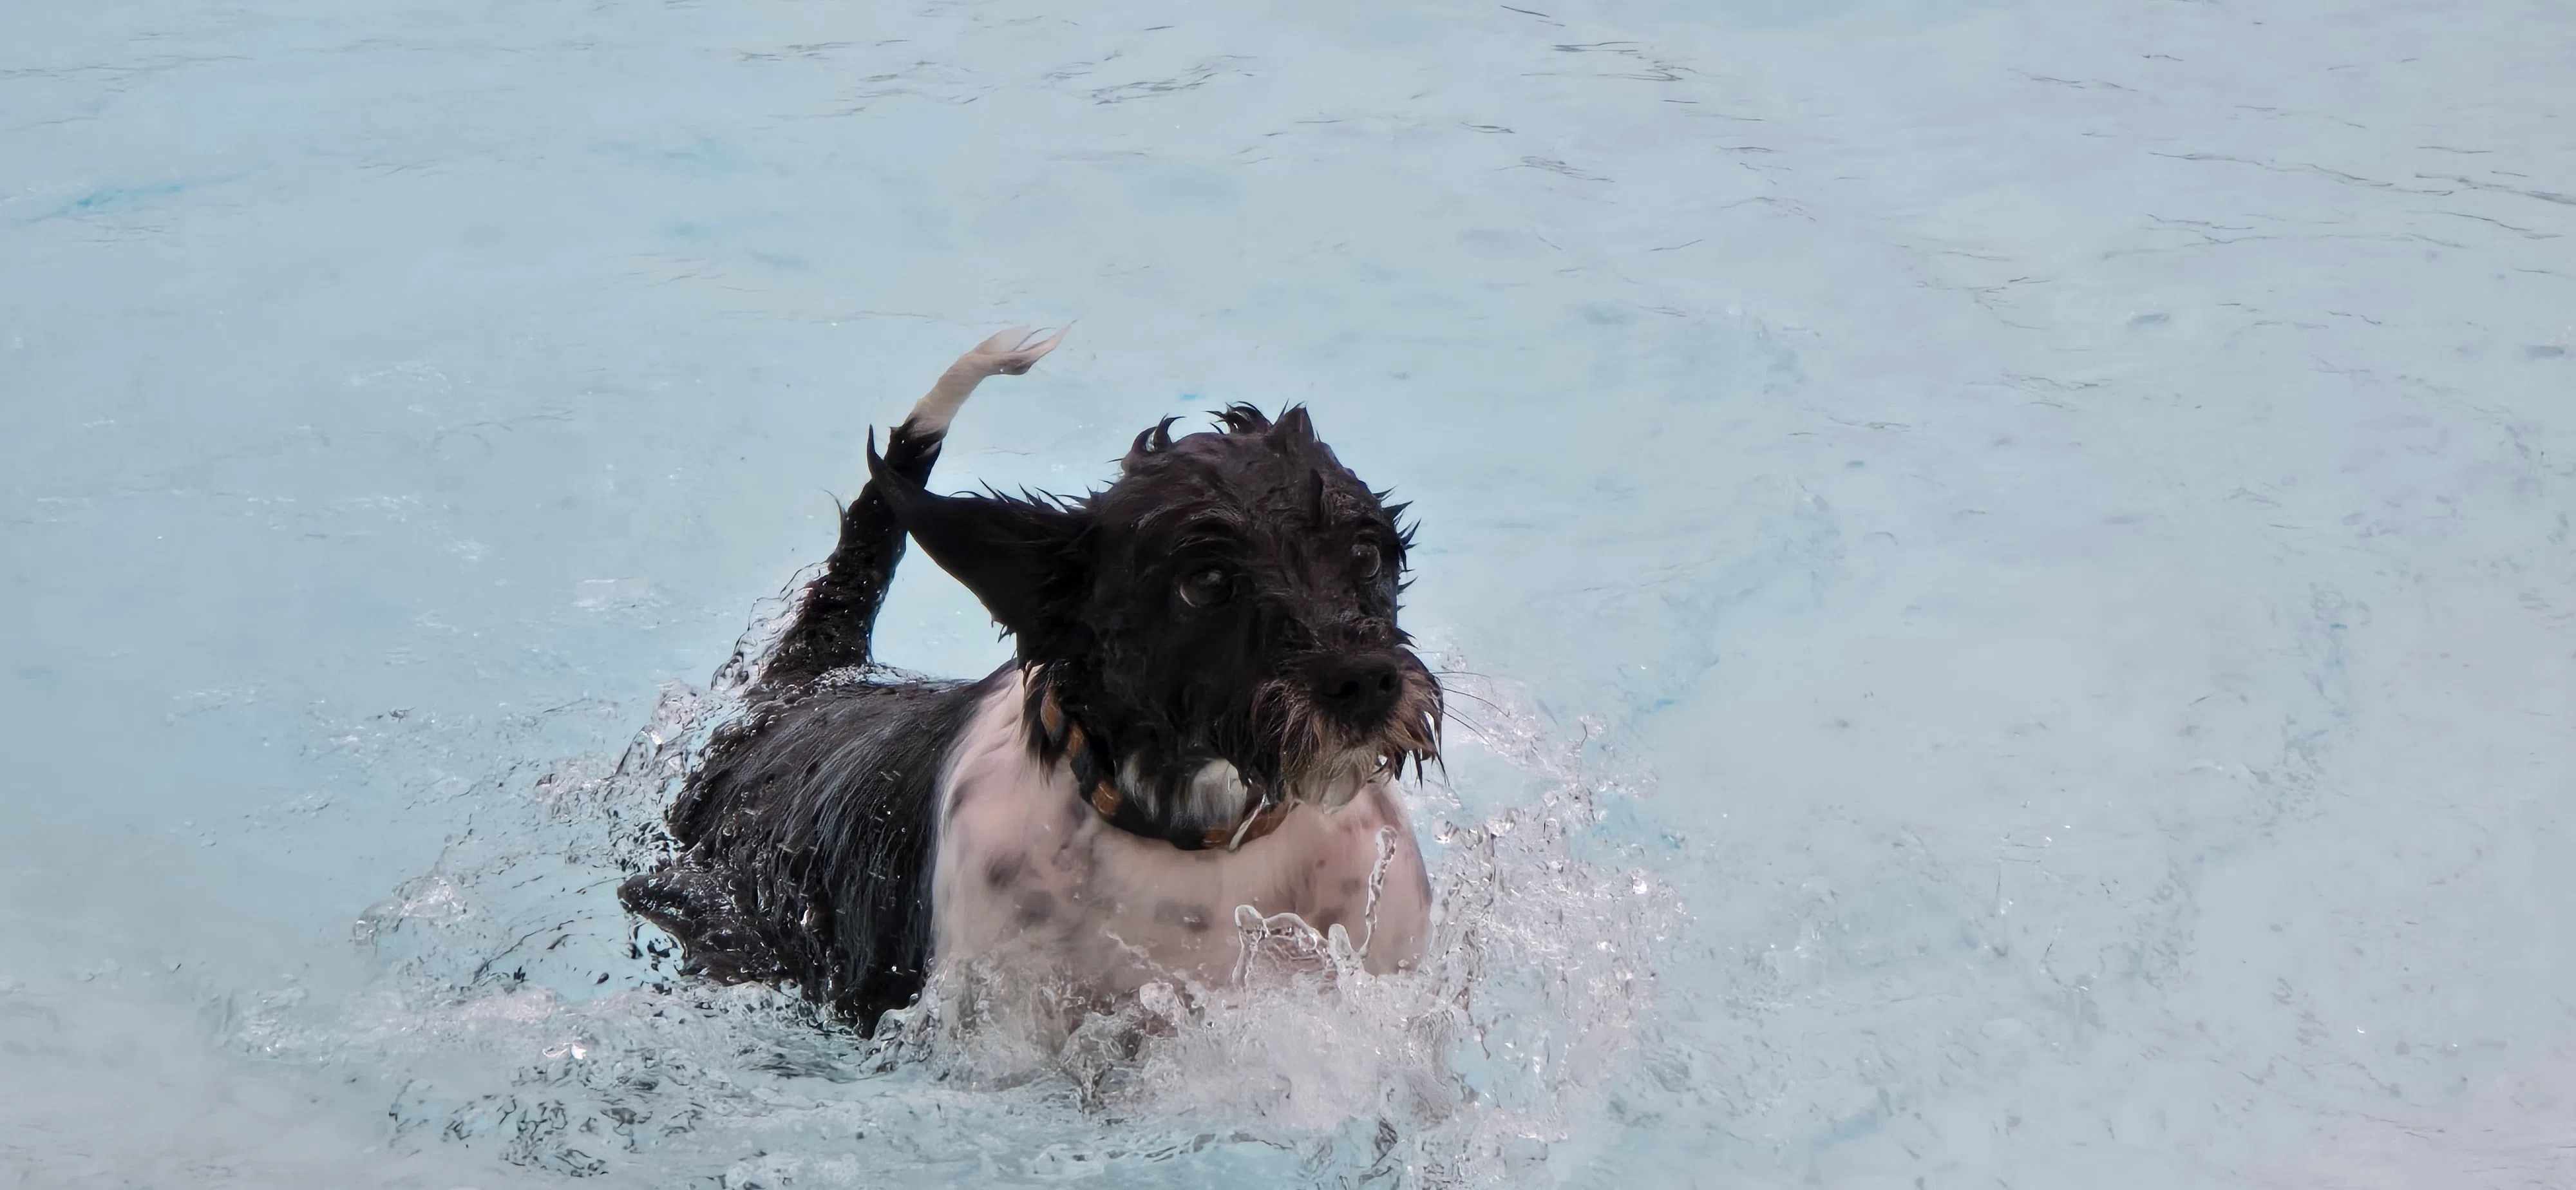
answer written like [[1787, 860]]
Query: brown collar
[[1096, 781]]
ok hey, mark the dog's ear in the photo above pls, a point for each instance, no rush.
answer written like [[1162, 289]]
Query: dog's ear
[[1022, 558]]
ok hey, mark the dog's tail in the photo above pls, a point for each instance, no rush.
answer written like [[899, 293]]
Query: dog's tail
[[839, 612]]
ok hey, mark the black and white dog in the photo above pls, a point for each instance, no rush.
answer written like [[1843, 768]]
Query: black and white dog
[[1204, 724]]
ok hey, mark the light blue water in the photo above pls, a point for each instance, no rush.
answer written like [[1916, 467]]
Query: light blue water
[[2019, 559]]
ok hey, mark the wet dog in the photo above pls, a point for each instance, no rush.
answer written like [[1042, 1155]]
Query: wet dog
[[1201, 731]]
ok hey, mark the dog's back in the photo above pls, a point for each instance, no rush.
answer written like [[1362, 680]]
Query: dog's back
[[806, 842]]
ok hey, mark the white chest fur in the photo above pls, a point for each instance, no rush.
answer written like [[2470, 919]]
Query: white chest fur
[[1031, 887]]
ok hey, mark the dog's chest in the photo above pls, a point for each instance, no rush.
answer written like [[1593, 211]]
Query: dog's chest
[[1028, 879]]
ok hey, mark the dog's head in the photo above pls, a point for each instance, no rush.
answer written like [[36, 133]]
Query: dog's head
[[1231, 598]]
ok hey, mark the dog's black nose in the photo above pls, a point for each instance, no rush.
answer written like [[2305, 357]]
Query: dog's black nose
[[1359, 689]]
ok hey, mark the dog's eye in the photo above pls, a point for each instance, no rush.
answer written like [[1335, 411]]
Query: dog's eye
[[1207, 587], [1364, 560]]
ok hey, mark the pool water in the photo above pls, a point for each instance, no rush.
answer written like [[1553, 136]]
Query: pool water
[[2005, 570]]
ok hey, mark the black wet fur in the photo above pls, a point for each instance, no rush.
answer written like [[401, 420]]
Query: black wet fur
[[1297, 658], [808, 840], [1232, 596], [805, 833]]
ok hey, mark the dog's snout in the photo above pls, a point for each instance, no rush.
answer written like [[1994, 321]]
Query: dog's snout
[[1359, 689]]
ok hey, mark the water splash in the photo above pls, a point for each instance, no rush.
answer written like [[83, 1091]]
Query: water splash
[[519, 1012]]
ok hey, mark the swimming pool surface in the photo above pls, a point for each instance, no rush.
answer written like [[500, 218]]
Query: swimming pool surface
[[2009, 569]]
